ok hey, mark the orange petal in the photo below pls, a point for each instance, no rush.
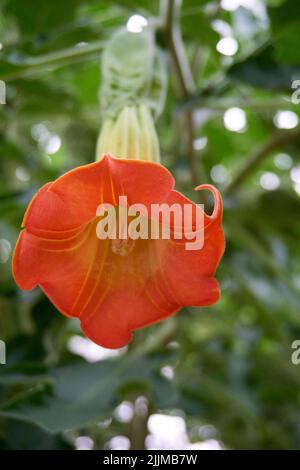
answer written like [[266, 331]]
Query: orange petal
[[143, 182], [190, 273], [58, 266], [69, 202], [134, 297], [72, 200]]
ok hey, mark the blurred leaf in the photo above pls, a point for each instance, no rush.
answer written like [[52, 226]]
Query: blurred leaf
[[263, 71], [39, 17], [25, 436], [71, 403]]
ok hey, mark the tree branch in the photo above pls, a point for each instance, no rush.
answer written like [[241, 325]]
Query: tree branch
[[222, 104], [170, 10], [59, 58]]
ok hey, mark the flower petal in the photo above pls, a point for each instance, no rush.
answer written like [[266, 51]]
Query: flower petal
[[190, 273], [141, 181], [69, 202], [72, 200], [58, 266], [134, 296]]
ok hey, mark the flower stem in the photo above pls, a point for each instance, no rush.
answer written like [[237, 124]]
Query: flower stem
[[53, 59], [257, 156], [171, 11], [131, 135]]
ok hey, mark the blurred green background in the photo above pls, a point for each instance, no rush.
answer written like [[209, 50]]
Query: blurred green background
[[218, 377]]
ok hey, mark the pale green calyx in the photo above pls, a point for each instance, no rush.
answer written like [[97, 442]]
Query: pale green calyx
[[130, 135], [132, 73]]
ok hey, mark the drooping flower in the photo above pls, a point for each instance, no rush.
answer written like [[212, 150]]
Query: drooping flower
[[114, 286]]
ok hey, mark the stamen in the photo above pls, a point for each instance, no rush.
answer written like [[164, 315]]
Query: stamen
[[122, 247]]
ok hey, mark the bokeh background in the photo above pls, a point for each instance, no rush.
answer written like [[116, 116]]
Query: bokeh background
[[218, 377]]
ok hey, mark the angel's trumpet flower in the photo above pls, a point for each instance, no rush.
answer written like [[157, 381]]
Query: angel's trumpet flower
[[119, 284]]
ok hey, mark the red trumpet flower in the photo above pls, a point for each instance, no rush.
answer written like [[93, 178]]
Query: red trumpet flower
[[114, 289]]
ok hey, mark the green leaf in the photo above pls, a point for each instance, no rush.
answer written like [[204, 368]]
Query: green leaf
[[40, 17], [262, 70], [82, 393], [196, 27], [287, 47], [282, 16], [25, 436]]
